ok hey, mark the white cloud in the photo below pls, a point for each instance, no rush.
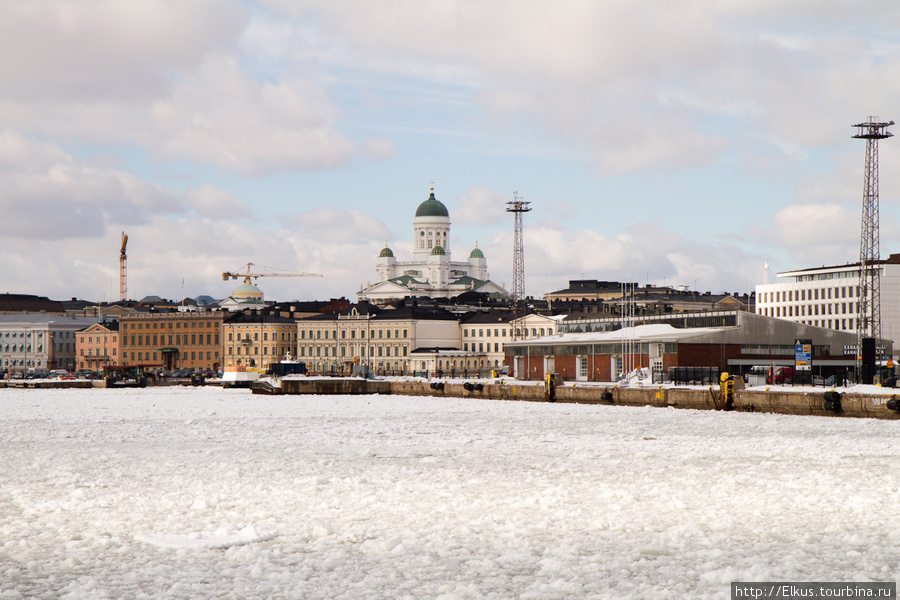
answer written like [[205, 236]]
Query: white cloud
[[73, 51], [57, 197], [483, 206], [223, 117], [213, 203], [817, 234], [160, 75]]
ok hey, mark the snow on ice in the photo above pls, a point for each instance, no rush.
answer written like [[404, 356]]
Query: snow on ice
[[211, 493]]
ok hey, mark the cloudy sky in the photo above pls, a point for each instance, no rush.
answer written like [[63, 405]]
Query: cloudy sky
[[670, 142]]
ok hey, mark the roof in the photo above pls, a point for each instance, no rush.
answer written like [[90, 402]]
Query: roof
[[657, 332], [476, 253], [386, 252], [432, 208], [405, 280], [12, 303]]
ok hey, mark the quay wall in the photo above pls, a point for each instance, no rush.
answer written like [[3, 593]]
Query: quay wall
[[779, 401], [773, 401]]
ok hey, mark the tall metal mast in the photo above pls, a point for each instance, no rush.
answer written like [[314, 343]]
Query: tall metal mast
[[868, 316], [517, 206]]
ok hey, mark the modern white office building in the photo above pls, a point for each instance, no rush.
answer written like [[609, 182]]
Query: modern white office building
[[828, 296]]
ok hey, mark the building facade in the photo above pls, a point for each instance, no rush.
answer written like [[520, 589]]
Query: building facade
[[30, 342], [828, 296], [97, 346], [713, 342], [258, 339], [384, 340], [487, 333], [172, 340]]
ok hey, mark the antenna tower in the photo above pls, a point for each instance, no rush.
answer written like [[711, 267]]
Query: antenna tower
[[868, 316], [517, 206]]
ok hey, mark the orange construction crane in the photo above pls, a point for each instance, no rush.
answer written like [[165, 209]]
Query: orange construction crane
[[123, 270], [249, 274]]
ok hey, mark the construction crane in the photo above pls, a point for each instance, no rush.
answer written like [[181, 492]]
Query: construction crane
[[249, 274], [123, 270]]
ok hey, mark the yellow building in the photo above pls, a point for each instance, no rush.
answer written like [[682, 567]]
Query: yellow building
[[257, 339], [172, 340]]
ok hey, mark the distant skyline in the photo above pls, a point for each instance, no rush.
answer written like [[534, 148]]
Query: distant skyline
[[672, 143]]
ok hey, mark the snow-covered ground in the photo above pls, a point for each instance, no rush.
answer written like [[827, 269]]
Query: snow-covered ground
[[210, 493]]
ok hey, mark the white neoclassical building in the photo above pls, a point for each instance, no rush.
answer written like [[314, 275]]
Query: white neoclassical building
[[432, 272]]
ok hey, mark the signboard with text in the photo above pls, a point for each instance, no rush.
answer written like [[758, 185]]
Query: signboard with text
[[803, 355]]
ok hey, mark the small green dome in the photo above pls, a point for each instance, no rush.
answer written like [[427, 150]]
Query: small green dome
[[386, 253], [438, 251], [432, 208], [476, 253]]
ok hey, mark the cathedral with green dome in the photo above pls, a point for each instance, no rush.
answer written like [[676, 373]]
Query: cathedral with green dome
[[431, 272]]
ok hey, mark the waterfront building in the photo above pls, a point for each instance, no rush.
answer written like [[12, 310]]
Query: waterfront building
[[705, 343], [254, 338], [97, 346], [38, 342], [387, 341], [487, 333], [172, 339]]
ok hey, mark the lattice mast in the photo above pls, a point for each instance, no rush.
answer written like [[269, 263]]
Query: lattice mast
[[868, 316], [517, 206]]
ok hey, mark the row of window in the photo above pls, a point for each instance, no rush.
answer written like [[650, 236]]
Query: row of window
[[806, 295], [481, 347], [133, 325], [90, 352], [145, 339], [844, 308], [380, 333], [286, 336], [487, 332], [21, 348], [141, 355], [835, 275], [255, 351], [311, 351]]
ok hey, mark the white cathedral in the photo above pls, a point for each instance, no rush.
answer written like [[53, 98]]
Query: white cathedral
[[431, 273]]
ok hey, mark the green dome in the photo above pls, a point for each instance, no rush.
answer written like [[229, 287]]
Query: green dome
[[476, 253], [432, 208], [386, 253], [438, 251]]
